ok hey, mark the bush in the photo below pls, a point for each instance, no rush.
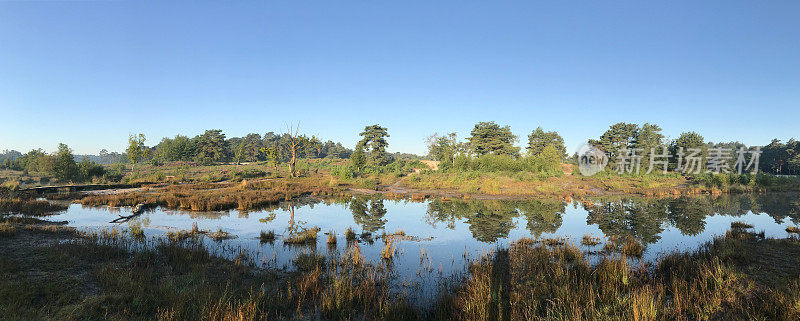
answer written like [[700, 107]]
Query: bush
[[344, 172]]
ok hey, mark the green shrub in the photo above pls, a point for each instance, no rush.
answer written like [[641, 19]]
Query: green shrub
[[344, 172]]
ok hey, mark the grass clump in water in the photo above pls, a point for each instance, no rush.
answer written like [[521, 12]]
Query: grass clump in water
[[793, 229], [137, 232], [306, 236], [267, 237], [389, 248], [589, 240], [331, 238], [220, 235], [350, 235]]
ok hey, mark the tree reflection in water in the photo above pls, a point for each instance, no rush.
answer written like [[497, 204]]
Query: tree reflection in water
[[638, 217], [368, 212], [490, 220]]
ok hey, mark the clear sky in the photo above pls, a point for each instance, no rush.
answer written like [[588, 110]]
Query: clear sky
[[88, 73]]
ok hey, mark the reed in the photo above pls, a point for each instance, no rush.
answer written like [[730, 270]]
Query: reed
[[331, 238], [528, 280], [215, 197], [137, 232], [589, 240], [29, 207], [306, 236], [389, 249], [350, 235], [7, 230], [267, 237]]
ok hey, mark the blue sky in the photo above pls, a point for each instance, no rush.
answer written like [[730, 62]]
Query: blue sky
[[88, 73]]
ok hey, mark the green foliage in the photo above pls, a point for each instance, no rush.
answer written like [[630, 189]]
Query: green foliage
[[89, 170], [64, 167], [358, 159], [345, 172], [38, 161], [539, 139], [489, 138], [618, 136], [212, 147], [136, 150], [180, 148], [780, 158], [444, 149], [271, 156], [374, 142], [548, 161], [649, 139], [248, 149]]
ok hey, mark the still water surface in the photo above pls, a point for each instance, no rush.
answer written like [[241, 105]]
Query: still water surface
[[447, 233]]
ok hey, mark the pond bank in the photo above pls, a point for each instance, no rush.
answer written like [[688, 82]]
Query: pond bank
[[59, 273]]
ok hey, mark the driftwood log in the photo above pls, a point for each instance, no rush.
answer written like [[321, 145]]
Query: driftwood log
[[137, 210]]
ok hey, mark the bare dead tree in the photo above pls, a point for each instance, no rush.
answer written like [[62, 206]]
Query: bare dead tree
[[295, 142]]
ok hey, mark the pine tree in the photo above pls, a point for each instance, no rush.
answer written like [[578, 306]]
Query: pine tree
[[374, 142], [489, 138], [539, 139]]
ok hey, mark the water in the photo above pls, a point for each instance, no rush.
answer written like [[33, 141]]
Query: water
[[447, 233]]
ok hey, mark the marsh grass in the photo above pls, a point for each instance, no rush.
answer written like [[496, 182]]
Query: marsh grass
[[6, 230], [267, 237], [137, 232], [530, 280], [216, 196], [738, 276], [626, 245], [793, 229], [589, 240], [196, 233], [331, 237], [389, 248], [350, 235], [305, 236], [220, 235], [29, 207]]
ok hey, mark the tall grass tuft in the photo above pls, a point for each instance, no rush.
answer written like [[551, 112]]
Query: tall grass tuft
[[331, 237], [267, 237], [306, 236], [350, 235]]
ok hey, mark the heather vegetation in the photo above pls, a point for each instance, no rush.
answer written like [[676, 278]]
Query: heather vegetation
[[117, 274]]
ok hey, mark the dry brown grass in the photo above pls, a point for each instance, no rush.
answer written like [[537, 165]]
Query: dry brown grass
[[29, 207], [532, 281], [217, 197]]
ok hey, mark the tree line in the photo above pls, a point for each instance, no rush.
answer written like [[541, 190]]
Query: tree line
[[491, 147], [776, 157], [214, 147], [61, 164]]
